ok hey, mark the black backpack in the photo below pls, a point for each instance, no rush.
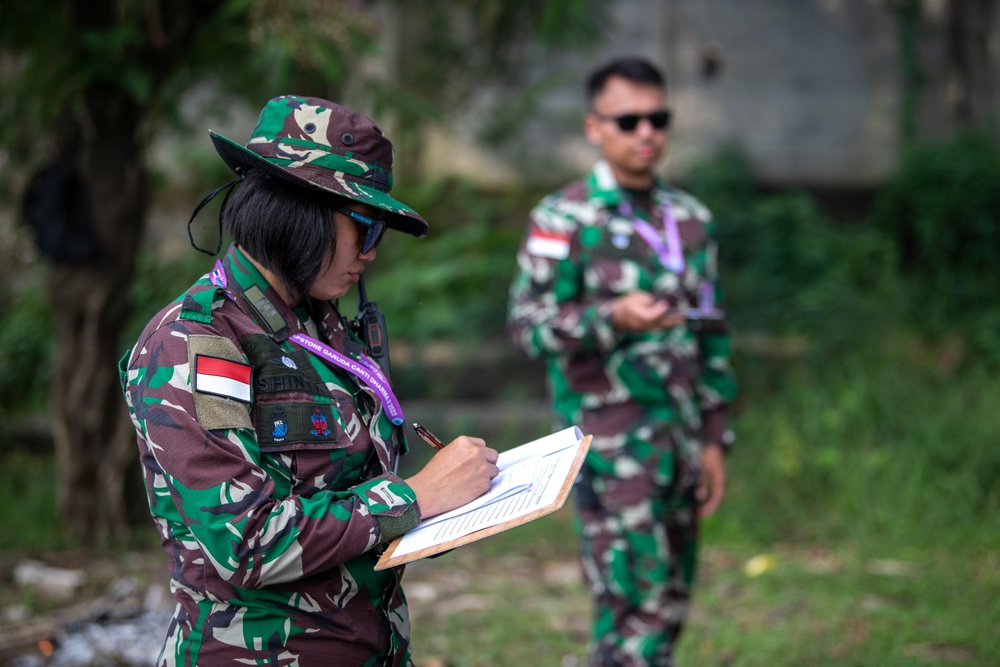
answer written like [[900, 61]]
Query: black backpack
[[56, 205]]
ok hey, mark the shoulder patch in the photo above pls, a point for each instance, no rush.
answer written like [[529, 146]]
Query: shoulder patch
[[220, 382], [198, 302], [222, 377], [553, 245]]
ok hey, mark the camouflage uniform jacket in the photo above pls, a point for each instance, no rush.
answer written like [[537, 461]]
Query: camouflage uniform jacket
[[271, 511], [580, 251]]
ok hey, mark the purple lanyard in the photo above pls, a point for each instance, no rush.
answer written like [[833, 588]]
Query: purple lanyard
[[671, 253], [362, 368]]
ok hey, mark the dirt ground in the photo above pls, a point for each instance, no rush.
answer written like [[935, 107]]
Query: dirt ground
[[117, 587]]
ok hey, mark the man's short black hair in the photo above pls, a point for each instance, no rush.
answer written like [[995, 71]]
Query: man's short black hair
[[637, 70], [286, 228]]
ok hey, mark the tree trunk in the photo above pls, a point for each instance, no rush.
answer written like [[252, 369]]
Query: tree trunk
[[93, 435], [94, 438], [970, 27], [913, 78]]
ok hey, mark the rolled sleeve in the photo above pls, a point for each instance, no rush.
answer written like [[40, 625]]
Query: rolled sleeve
[[393, 504]]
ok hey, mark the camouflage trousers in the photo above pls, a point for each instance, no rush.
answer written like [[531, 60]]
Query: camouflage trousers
[[639, 561]]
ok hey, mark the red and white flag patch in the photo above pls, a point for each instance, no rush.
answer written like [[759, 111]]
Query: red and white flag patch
[[547, 244], [222, 377]]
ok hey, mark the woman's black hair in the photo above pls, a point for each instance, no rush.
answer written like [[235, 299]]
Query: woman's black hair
[[286, 228]]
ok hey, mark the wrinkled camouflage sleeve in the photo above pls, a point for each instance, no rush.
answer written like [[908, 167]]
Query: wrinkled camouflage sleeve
[[214, 492], [547, 314], [717, 385]]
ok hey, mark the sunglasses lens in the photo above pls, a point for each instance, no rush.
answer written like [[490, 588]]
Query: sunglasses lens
[[628, 122], [370, 228], [659, 119], [374, 236]]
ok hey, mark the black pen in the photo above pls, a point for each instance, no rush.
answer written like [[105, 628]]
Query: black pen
[[428, 437]]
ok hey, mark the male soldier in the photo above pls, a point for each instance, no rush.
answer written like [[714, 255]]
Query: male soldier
[[615, 290]]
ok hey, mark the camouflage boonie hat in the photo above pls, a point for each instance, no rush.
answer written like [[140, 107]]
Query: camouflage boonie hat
[[320, 144]]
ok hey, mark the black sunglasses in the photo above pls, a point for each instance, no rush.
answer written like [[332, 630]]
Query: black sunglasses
[[376, 228], [660, 120]]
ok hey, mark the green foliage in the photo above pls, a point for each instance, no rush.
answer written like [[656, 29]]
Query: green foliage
[[828, 606], [62, 58], [876, 447], [476, 40], [453, 283], [909, 16], [26, 336], [28, 491], [787, 268], [940, 209], [879, 434], [159, 282], [25, 347]]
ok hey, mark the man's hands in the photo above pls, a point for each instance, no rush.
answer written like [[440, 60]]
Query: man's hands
[[458, 473], [713, 479], [641, 311]]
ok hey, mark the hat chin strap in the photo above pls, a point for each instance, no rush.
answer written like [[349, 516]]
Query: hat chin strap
[[228, 187]]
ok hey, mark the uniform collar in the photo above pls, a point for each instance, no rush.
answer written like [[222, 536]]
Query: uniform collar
[[245, 281], [281, 320], [603, 189]]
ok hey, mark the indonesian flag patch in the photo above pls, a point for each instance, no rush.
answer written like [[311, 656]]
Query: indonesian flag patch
[[222, 377], [547, 244]]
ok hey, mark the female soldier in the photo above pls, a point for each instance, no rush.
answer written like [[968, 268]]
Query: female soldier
[[268, 440]]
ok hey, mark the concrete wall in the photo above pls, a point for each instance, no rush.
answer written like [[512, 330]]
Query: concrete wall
[[809, 88]]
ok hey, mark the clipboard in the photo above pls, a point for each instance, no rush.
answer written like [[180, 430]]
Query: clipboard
[[389, 559]]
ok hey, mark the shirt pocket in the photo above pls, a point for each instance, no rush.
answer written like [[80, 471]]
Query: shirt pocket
[[312, 444], [616, 269], [293, 408], [285, 426]]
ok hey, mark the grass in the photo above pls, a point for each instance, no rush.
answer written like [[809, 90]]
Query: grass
[[28, 489], [837, 607], [516, 599], [879, 451], [868, 483], [512, 599]]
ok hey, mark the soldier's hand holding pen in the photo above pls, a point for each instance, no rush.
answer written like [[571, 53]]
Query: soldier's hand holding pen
[[641, 311], [459, 472]]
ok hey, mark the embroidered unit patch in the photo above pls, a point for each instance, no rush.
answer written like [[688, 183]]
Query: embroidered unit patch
[[279, 422], [320, 429]]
